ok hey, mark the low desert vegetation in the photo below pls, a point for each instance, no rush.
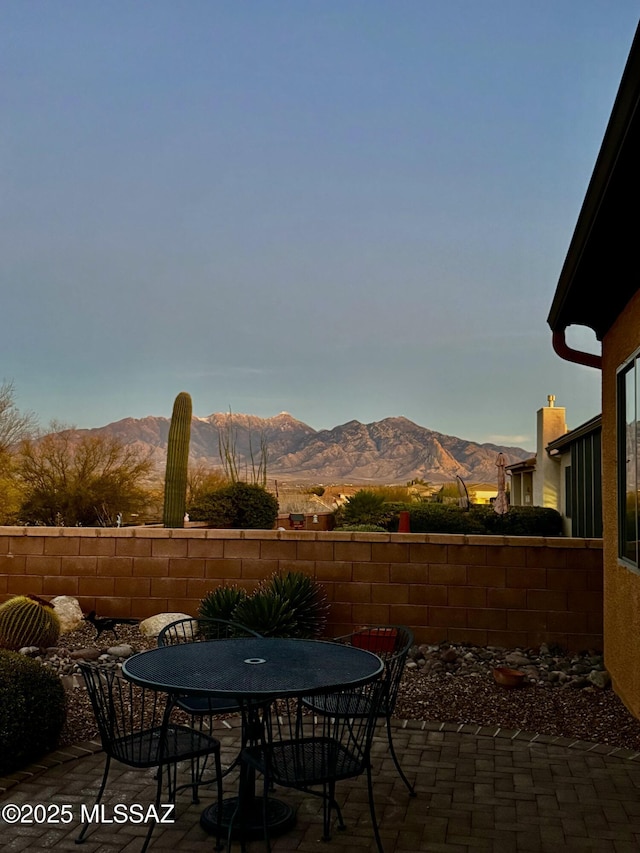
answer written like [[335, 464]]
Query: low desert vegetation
[[368, 509]]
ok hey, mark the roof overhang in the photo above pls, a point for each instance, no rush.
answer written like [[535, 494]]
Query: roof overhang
[[600, 272], [591, 427], [522, 467]]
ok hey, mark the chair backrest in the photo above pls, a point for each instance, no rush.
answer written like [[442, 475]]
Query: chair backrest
[[320, 746], [197, 629], [392, 644], [129, 717]]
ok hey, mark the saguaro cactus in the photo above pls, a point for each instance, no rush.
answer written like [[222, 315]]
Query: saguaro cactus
[[175, 480]]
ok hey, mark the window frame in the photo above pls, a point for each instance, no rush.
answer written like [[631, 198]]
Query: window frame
[[628, 459]]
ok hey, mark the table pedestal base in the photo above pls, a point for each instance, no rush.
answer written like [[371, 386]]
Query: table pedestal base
[[250, 823]]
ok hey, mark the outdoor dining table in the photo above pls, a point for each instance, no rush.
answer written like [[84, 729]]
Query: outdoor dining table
[[253, 671]]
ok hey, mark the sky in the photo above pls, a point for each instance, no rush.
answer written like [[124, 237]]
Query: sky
[[342, 209]]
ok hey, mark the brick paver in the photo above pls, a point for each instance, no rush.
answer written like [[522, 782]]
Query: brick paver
[[478, 789]]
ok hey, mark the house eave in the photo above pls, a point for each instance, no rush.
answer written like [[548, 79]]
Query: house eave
[[596, 281]]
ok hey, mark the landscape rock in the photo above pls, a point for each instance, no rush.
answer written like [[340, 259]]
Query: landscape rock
[[599, 678], [68, 611], [85, 654], [123, 650], [152, 626], [545, 667]]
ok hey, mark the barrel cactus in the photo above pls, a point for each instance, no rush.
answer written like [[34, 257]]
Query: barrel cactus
[[27, 620], [175, 481]]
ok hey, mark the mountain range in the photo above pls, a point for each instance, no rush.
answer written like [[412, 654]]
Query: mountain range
[[393, 450]]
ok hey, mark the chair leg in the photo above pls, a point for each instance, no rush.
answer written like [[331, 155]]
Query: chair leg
[[372, 810], [103, 784], [392, 750], [218, 764], [328, 804], [172, 769], [265, 815]]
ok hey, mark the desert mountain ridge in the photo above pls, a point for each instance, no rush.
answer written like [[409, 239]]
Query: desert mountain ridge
[[392, 450]]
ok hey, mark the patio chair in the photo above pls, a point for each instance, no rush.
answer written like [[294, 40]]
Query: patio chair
[[305, 751], [134, 729], [195, 630], [392, 644]]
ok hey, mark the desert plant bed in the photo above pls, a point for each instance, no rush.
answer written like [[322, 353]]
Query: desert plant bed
[[562, 695]]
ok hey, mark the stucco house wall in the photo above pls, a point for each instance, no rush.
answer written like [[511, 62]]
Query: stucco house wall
[[621, 582]]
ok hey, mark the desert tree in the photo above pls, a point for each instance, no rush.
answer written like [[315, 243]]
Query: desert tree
[[202, 479], [14, 427], [14, 424], [80, 479]]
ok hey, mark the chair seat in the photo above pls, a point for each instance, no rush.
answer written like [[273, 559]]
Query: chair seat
[[353, 705], [142, 749], [305, 762], [202, 705]]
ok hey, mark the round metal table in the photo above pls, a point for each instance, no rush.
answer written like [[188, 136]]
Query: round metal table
[[253, 670]]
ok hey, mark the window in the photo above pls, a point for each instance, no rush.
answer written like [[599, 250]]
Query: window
[[628, 447]]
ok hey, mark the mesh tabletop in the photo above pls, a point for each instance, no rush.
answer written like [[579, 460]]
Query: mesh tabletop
[[253, 667]]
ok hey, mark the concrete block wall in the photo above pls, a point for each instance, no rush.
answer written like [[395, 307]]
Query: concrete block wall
[[506, 591]]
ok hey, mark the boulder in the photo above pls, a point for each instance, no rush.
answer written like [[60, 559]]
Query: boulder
[[124, 650], [69, 612], [152, 626]]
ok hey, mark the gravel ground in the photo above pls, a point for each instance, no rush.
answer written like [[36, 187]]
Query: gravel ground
[[447, 684]]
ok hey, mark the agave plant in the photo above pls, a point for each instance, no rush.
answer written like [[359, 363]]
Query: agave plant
[[307, 600], [268, 614], [221, 603]]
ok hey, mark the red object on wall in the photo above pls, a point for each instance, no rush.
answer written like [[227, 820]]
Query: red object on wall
[[404, 525]]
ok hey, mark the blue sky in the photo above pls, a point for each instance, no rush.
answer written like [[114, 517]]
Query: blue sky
[[338, 208]]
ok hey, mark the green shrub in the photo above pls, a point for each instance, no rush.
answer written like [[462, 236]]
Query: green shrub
[[520, 521], [221, 602], [430, 517], [441, 518], [267, 613], [365, 507], [362, 528], [316, 490], [306, 598], [291, 604], [32, 710], [237, 505]]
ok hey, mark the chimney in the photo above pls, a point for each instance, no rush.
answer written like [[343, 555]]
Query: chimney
[[546, 481]]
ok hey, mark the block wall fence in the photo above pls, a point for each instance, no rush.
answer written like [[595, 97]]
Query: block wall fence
[[496, 590]]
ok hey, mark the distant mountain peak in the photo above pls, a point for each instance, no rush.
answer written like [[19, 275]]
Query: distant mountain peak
[[391, 450]]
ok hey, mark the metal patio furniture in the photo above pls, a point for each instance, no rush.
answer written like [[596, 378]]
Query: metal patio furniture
[[391, 643], [135, 730], [303, 750], [255, 672], [196, 630]]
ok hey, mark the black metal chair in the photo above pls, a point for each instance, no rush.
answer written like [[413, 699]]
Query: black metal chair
[[135, 729], [303, 750], [195, 630], [392, 644]]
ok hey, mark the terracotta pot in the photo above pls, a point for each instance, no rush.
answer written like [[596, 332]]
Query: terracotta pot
[[508, 677], [376, 640]]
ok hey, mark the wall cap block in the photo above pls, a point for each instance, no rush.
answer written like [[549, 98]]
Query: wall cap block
[[569, 542], [186, 533], [370, 536], [215, 533]]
